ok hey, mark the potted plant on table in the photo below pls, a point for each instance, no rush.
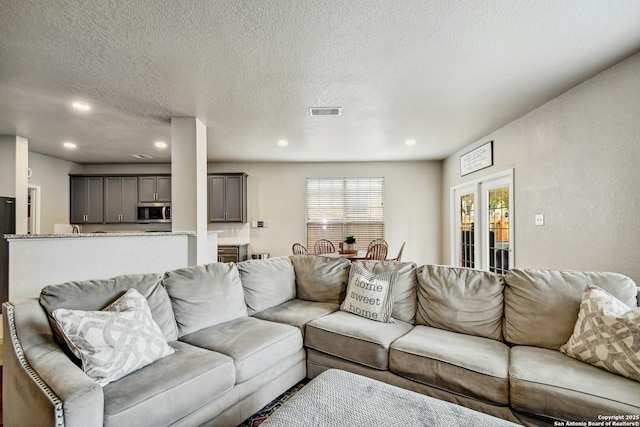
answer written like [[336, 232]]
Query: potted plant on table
[[349, 246]]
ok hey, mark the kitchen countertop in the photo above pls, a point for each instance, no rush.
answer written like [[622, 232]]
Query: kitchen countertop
[[77, 235]]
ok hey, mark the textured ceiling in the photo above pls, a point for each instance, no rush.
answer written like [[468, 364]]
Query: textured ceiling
[[442, 72]]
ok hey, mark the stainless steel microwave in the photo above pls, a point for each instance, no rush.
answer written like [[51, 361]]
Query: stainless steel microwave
[[154, 212]]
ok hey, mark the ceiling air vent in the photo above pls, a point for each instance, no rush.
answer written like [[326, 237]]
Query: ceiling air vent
[[325, 111], [142, 156]]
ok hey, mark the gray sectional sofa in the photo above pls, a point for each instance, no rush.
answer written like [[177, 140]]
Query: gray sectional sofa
[[244, 333]]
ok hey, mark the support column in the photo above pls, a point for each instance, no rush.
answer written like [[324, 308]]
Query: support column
[[14, 182], [189, 184]]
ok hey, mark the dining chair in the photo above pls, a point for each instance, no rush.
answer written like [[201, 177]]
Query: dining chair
[[377, 251], [399, 253], [299, 249], [378, 241], [323, 246]]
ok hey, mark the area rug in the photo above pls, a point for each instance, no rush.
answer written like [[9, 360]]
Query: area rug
[[257, 418]]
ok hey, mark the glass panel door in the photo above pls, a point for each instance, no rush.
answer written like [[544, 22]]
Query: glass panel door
[[482, 229], [499, 229]]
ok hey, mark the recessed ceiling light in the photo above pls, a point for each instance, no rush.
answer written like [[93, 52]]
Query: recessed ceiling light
[[283, 143], [69, 145], [161, 144], [410, 142], [81, 106]]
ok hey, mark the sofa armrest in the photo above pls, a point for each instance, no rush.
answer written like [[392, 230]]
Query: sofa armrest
[[41, 385]]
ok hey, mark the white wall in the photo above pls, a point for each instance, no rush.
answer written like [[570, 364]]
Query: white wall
[[576, 160], [52, 175], [276, 193]]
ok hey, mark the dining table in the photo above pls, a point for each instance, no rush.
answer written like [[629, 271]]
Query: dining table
[[351, 256]]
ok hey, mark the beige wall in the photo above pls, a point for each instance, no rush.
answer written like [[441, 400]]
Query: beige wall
[[276, 193], [576, 160], [52, 175]]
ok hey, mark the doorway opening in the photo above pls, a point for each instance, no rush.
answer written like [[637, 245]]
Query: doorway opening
[[33, 209]]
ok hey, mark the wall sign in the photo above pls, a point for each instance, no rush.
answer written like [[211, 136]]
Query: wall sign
[[479, 158]]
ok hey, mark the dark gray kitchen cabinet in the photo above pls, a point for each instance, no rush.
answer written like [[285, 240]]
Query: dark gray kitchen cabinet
[[228, 197], [120, 199], [86, 200], [154, 189]]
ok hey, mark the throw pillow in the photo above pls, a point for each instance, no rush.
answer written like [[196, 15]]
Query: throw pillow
[[607, 334], [116, 341], [370, 295]]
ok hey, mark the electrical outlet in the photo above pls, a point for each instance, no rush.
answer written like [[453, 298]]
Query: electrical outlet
[[539, 219]]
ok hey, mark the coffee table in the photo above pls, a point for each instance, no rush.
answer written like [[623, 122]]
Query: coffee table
[[339, 398]]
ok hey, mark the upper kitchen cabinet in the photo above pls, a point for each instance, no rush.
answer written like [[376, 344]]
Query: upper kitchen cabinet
[[228, 197], [154, 189], [86, 200], [120, 199]]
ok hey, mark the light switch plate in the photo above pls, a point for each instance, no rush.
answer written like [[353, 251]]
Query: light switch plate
[[539, 219]]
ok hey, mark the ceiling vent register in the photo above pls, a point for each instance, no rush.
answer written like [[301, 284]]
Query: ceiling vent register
[[325, 111]]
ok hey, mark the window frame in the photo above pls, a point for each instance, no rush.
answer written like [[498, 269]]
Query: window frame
[[344, 222]]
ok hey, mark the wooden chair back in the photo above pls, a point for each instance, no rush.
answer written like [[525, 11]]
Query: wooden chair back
[[377, 251], [299, 249], [323, 246], [399, 253], [378, 241]]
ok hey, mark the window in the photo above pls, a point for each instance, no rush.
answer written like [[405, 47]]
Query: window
[[339, 207], [482, 234]]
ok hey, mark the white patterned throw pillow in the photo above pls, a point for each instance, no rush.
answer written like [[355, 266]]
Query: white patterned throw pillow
[[607, 334], [370, 295], [116, 341]]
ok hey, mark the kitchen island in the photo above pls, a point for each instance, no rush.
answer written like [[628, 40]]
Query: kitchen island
[[44, 259]]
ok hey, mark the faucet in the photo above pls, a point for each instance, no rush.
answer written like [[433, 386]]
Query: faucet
[[76, 229]]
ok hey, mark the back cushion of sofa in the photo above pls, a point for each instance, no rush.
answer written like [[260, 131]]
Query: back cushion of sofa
[[541, 306], [94, 295], [320, 278], [205, 295], [404, 291], [460, 300], [267, 283]]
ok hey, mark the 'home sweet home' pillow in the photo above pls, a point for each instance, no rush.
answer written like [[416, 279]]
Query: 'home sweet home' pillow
[[370, 295], [607, 334], [116, 341]]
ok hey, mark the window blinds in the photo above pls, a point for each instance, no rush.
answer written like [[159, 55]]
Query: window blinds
[[338, 207]]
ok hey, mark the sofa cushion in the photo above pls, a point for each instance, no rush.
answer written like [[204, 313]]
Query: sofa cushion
[[255, 345], [607, 334], [167, 390], [205, 295], [460, 300], [116, 341], [92, 295], [320, 278], [267, 283], [404, 291], [532, 317], [370, 295], [548, 383], [297, 312], [355, 338], [472, 366]]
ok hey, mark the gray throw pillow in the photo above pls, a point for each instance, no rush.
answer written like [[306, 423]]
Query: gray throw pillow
[[116, 341], [404, 291], [607, 334], [370, 295]]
